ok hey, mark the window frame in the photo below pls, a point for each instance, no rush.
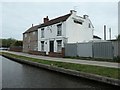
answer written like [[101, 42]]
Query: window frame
[[59, 30], [89, 25], [78, 22], [25, 35], [59, 45], [42, 33], [34, 32]]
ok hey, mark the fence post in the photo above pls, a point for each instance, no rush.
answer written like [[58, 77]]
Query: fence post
[[92, 49], [77, 49], [113, 53]]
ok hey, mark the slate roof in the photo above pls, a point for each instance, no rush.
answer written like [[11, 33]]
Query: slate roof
[[56, 20], [50, 22], [31, 29]]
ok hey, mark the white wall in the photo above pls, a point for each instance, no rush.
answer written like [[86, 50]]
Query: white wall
[[50, 34], [77, 32], [71, 33]]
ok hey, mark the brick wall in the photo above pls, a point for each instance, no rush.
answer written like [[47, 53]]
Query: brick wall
[[56, 54], [16, 48], [37, 53]]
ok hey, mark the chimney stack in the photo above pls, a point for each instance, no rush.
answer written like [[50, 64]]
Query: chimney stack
[[104, 32], [46, 19], [73, 12], [32, 25], [85, 16], [110, 33]]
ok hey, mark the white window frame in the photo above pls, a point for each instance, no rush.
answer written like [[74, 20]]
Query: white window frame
[[59, 45], [78, 22], [42, 33], [89, 25], [59, 30]]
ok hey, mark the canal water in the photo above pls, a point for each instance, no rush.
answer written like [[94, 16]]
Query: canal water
[[16, 75]]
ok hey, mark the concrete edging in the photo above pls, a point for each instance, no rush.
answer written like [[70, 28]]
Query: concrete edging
[[70, 72]]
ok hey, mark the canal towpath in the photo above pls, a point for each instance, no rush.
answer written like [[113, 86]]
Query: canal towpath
[[76, 61]]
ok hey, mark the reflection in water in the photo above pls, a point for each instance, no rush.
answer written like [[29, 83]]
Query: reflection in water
[[16, 75]]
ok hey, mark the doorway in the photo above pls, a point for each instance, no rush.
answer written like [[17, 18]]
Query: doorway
[[51, 46]]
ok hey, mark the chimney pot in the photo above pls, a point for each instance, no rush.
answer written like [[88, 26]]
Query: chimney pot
[[85, 16], [46, 19], [73, 11]]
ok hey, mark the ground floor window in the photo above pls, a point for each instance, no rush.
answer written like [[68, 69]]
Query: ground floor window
[[59, 45], [35, 47], [42, 45]]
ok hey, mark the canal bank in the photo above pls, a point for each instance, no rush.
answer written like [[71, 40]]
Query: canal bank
[[18, 75], [68, 71]]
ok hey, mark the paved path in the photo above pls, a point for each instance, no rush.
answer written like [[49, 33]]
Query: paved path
[[87, 62]]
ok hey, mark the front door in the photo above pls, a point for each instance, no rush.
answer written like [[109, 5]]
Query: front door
[[51, 46]]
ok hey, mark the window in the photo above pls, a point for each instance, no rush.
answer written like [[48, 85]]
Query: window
[[59, 45], [25, 35], [42, 45], [42, 33], [28, 45], [89, 25], [33, 33], [78, 22], [29, 39], [35, 47], [59, 30]]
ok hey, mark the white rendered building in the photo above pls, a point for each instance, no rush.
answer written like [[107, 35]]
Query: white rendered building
[[70, 28]]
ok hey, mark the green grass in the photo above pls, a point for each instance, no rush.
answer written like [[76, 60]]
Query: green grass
[[103, 71], [115, 59]]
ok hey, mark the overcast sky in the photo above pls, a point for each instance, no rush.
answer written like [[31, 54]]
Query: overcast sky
[[17, 17]]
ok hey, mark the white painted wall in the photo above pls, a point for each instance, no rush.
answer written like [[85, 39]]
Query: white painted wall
[[71, 33], [76, 32], [50, 34]]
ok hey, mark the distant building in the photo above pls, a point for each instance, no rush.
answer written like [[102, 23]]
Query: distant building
[[30, 39], [52, 35]]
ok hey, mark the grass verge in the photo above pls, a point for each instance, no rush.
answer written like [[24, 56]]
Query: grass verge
[[103, 71], [115, 59]]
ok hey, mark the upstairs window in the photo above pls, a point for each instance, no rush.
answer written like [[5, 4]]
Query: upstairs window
[[34, 33], [78, 22], [42, 33], [59, 30], [25, 35], [89, 25]]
